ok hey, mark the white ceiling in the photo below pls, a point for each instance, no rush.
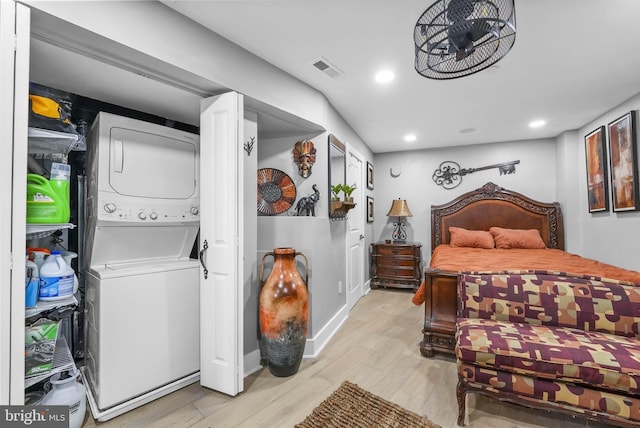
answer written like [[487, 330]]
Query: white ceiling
[[572, 61]]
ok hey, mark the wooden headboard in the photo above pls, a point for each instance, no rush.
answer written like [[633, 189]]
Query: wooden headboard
[[491, 205]]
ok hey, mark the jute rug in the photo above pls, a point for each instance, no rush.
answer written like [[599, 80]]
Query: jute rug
[[352, 406]]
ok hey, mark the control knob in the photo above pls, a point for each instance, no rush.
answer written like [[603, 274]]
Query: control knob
[[110, 208], [142, 216], [153, 216], [194, 210]]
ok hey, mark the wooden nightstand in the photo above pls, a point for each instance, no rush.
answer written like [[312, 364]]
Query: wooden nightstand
[[395, 265]]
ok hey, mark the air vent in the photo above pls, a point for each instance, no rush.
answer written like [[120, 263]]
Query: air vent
[[327, 68]]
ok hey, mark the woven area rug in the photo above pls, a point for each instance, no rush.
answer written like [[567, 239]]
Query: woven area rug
[[352, 406]]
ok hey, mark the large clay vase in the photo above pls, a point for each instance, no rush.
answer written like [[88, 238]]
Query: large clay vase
[[284, 312]]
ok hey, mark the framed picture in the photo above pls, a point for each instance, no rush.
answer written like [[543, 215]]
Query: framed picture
[[624, 166], [369, 209], [597, 179], [369, 176]]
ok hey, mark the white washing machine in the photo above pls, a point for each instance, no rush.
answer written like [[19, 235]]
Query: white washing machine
[[142, 287]]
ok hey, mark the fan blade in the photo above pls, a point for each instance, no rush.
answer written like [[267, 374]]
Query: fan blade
[[479, 29]]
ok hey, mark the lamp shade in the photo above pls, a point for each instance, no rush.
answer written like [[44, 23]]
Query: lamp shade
[[399, 208]]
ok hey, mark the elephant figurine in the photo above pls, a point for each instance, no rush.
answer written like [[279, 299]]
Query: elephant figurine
[[307, 205]]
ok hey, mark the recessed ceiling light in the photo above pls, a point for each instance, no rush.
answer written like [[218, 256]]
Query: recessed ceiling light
[[410, 138], [537, 123], [384, 76]]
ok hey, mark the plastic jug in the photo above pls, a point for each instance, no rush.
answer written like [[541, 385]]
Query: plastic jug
[[47, 203], [67, 391], [60, 175], [32, 282], [68, 257], [56, 278], [38, 255]]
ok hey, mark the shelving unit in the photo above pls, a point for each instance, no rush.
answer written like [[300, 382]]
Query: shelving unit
[[340, 209], [47, 144], [37, 231], [47, 306], [62, 360], [45, 141]]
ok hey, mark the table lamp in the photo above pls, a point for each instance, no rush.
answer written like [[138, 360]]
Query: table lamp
[[399, 209]]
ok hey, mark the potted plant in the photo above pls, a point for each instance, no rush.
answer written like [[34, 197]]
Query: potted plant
[[336, 192], [348, 190]]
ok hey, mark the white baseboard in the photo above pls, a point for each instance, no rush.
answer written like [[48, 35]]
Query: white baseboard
[[314, 346], [367, 287], [252, 362]]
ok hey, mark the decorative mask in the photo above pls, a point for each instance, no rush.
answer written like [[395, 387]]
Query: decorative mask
[[304, 155]]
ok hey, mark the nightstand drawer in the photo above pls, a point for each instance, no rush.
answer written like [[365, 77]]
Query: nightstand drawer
[[394, 261], [386, 250], [395, 272]]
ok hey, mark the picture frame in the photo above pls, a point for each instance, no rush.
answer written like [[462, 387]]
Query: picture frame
[[369, 176], [623, 162], [369, 209], [595, 149]]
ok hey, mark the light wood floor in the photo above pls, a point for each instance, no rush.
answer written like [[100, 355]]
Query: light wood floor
[[376, 348]]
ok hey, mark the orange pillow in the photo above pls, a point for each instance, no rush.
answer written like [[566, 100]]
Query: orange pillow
[[470, 238], [517, 238]]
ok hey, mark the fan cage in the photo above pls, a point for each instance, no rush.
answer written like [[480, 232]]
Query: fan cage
[[436, 53]]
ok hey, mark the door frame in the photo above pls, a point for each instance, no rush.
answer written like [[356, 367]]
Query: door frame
[[15, 29], [352, 298]]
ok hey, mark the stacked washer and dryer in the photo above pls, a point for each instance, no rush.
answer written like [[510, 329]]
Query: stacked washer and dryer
[[142, 287]]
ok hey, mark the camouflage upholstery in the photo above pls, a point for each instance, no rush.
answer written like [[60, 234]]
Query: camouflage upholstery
[[551, 340]]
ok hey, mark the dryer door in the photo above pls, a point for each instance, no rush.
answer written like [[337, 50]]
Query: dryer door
[[150, 165]]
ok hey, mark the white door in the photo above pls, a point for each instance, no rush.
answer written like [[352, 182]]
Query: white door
[[355, 232], [14, 93], [221, 242]]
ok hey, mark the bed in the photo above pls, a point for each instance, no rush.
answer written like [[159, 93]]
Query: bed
[[482, 210]]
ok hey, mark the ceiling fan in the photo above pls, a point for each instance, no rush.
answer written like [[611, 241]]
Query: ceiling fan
[[455, 38]]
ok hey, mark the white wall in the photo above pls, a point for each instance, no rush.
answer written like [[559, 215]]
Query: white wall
[[535, 177], [606, 236]]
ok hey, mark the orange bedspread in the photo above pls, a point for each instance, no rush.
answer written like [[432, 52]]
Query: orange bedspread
[[457, 259]]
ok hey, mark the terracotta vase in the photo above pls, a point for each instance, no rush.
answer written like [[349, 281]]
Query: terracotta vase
[[284, 312]]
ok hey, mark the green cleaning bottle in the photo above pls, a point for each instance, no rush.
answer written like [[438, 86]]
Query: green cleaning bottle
[[47, 203]]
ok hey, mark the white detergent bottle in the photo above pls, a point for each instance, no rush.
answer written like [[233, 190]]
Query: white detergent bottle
[[67, 391], [56, 278], [68, 257]]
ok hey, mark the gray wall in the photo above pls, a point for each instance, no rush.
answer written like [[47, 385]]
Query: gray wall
[[319, 238], [322, 241], [535, 177], [607, 236], [549, 170]]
